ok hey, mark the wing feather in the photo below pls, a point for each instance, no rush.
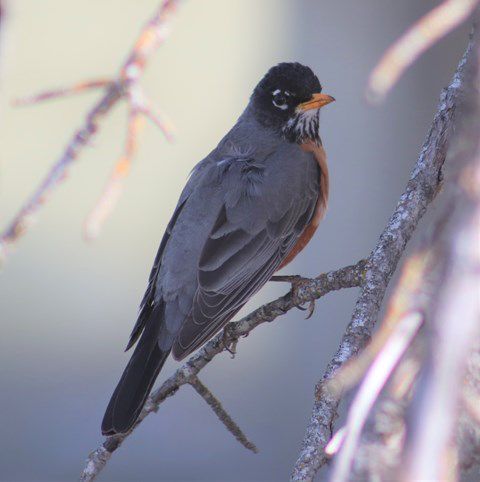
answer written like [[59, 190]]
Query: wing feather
[[241, 255]]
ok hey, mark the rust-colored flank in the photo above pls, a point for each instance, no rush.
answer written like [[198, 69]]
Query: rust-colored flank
[[322, 202]]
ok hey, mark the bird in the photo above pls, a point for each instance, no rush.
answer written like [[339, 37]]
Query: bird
[[246, 211]]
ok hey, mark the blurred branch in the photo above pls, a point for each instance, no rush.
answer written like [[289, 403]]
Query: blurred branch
[[379, 360], [427, 427], [221, 413], [383, 452], [63, 92], [468, 437], [125, 86], [2, 18], [3, 15], [424, 438], [425, 181], [421, 36], [305, 292], [454, 304], [373, 383]]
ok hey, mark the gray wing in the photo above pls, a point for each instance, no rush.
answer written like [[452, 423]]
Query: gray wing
[[152, 298], [264, 208]]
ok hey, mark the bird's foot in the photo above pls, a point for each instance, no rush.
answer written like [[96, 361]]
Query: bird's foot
[[229, 345], [297, 283]]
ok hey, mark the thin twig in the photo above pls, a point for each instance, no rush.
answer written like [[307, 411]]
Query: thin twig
[[421, 36], [125, 86], [115, 184], [348, 277], [63, 92], [425, 180], [221, 413]]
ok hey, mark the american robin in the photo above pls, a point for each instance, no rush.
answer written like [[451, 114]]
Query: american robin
[[247, 210]]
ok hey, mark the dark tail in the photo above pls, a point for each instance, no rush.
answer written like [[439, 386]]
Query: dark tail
[[137, 380]]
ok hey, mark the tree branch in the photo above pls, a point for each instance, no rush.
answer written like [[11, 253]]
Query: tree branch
[[404, 52], [454, 305], [125, 86], [221, 413], [424, 183], [419, 429], [308, 290]]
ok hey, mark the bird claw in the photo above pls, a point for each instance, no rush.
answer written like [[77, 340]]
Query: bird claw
[[296, 282], [310, 309], [230, 346]]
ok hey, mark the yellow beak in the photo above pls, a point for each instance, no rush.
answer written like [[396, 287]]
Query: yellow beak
[[316, 102]]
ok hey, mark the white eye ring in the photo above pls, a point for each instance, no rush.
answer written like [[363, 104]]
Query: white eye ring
[[281, 105]]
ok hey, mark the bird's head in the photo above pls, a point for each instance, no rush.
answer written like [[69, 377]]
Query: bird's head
[[288, 99]]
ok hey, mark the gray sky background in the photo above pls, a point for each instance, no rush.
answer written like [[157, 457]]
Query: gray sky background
[[67, 307]]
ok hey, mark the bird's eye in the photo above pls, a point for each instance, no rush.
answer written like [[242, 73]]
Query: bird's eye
[[279, 99]]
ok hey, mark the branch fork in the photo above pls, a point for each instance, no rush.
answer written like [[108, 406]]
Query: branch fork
[[126, 86]]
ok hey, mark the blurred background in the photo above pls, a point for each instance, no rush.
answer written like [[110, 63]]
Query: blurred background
[[67, 306]]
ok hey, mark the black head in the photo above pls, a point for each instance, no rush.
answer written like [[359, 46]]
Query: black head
[[288, 99]]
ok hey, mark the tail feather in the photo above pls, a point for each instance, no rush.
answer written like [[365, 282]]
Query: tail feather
[[136, 382]]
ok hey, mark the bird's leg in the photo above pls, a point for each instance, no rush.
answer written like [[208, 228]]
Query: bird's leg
[[230, 346], [297, 282]]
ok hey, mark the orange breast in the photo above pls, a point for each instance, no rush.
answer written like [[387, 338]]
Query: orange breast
[[321, 206]]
